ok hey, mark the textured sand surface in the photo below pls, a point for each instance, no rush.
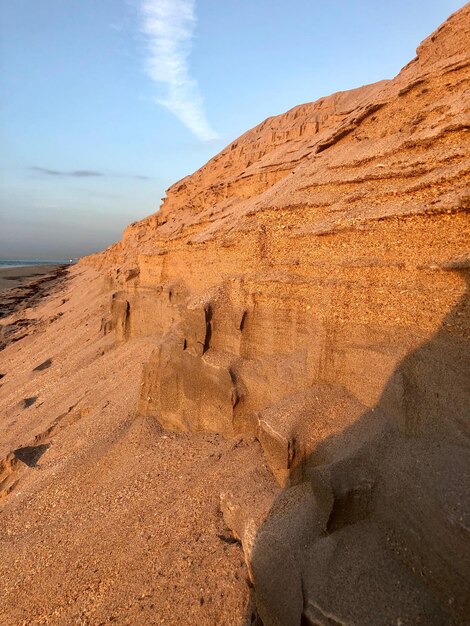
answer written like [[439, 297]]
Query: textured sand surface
[[105, 517], [254, 408]]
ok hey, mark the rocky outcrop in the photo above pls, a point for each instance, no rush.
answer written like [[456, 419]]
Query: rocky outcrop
[[322, 274], [308, 286]]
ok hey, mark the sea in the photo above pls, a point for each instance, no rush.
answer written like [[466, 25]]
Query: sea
[[32, 262]]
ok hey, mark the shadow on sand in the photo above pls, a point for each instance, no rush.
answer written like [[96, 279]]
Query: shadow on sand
[[374, 525]]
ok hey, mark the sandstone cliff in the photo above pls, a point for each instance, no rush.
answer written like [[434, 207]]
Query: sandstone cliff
[[308, 286], [307, 291], [317, 248]]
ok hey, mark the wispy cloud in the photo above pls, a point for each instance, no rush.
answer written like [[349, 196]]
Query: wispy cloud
[[169, 27], [75, 173], [46, 171]]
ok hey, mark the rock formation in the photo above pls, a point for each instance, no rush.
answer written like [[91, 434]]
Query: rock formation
[[308, 288]]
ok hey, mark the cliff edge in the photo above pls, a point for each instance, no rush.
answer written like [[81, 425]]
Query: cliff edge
[[298, 308]]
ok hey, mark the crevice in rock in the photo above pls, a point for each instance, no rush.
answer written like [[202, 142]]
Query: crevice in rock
[[235, 394], [208, 336], [242, 321]]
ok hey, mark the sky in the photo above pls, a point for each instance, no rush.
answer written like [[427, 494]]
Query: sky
[[105, 103]]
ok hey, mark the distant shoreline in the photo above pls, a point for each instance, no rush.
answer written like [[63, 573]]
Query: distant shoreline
[[6, 263], [11, 277]]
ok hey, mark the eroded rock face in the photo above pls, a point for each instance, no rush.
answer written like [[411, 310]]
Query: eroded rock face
[[309, 286], [186, 391], [305, 428]]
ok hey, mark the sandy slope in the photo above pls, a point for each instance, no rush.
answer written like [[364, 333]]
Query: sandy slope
[[108, 517], [305, 294]]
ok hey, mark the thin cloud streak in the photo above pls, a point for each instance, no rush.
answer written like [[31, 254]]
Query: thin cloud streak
[[76, 173], [169, 27], [46, 171]]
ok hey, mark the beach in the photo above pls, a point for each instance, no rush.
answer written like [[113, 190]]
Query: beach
[[18, 276], [253, 408], [22, 288], [71, 537]]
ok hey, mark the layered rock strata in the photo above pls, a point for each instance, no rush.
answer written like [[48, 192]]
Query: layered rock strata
[[309, 286]]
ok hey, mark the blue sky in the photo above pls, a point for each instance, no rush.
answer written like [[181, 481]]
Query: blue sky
[[105, 103]]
